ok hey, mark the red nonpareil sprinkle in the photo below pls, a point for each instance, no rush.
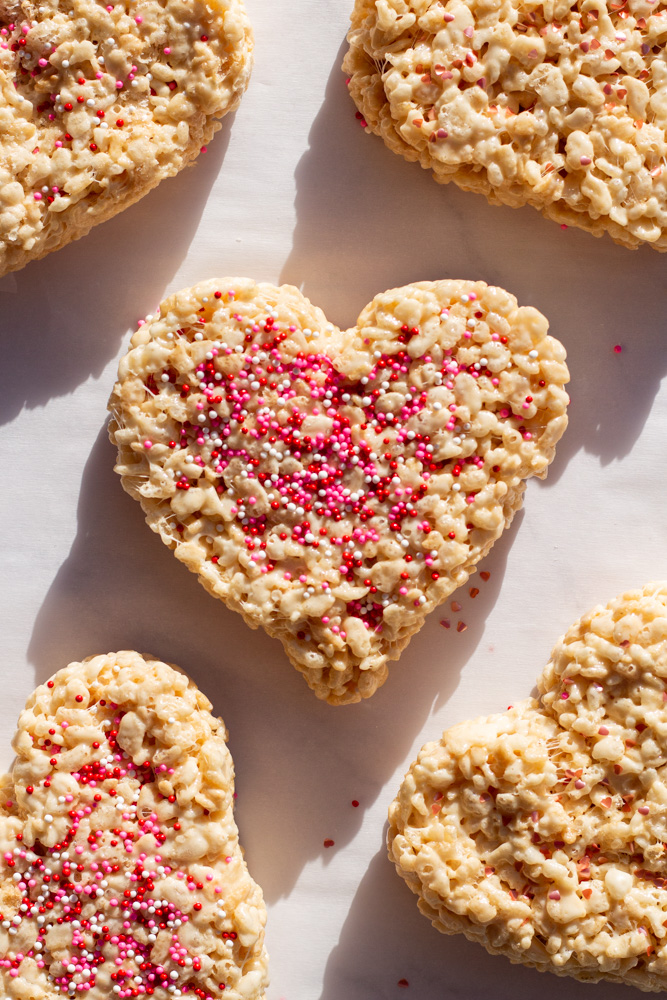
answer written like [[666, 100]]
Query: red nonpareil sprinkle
[[617, 349], [403, 983], [328, 843], [355, 803]]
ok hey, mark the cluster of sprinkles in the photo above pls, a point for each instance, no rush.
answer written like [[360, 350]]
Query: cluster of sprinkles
[[78, 104], [100, 886], [298, 448]]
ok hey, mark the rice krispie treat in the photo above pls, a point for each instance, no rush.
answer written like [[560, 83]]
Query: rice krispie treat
[[98, 103], [121, 872], [559, 105], [334, 486], [541, 832]]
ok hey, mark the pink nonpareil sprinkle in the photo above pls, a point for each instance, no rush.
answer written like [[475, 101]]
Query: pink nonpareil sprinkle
[[617, 349]]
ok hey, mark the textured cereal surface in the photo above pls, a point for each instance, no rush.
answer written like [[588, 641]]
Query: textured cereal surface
[[334, 486], [121, 871], [98, 103], [559, 105], [541, 833]]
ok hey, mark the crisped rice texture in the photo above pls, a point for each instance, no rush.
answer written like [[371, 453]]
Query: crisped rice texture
[[334, 486], [561, 105], [541, 832], [122, 868], [99, 103]]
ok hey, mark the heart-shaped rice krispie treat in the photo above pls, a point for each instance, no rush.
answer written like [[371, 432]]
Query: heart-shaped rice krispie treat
[[98, 103], [560, 105], [121, 873], [541, 832], [334, 486]]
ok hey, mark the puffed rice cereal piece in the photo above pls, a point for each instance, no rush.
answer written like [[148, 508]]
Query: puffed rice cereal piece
[[541, 833], [333, 486], [98, 103], [561, 105], [121, 873]]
